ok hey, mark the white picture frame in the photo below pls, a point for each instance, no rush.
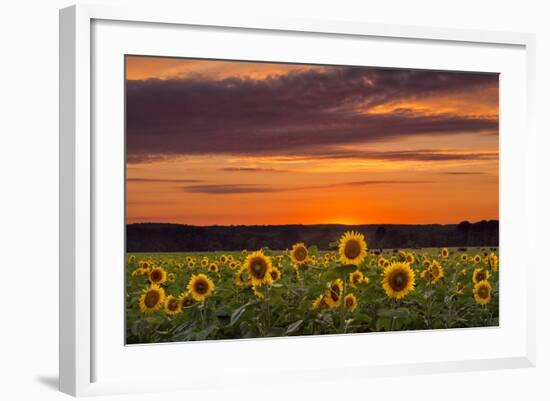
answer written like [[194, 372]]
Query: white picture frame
[[82, 344]]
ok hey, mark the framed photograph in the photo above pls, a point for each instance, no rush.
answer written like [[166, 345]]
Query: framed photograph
[[354, 198]]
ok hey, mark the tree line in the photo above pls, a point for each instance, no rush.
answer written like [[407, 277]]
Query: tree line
[[164, 237]]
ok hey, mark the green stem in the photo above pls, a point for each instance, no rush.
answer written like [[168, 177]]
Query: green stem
[[343, 308]]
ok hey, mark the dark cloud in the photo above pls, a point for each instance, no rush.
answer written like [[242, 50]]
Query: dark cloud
[[224, 189], [160, 180], [464, 173], [290, 114], [228, 189], [252, 170], [421, 155]]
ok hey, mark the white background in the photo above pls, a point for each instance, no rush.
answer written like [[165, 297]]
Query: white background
[[29, 169]]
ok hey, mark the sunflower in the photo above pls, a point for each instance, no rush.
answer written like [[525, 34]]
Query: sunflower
[[185, 299], [350, 302], [172, 306], [445, 253], [334, 293], [398, 280], [319, 303], [460, 288], [275, 274], [233, 264], [356, 278], [151, 299], [171, 277], [258, 267], [352, 248], [240, 278], [157, 275], [477, 259], [144, 264], [464, 257], [204, 262], [131, 259], [480, 275], [200, 287], [436, 271], [299, 253], [493, 262], [191, 263], [213, 267], [223, 259], [409, 258], [482, 292]]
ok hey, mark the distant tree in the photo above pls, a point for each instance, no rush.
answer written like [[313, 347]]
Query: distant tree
[[463, 229], [379, 236]]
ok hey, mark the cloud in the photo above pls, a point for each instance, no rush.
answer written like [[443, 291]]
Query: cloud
[[224, 189], [463, 173], [161, 180], [228, 189], [252, 170], [297, 113]]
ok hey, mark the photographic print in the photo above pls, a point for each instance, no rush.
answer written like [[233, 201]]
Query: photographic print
[[277, 199]]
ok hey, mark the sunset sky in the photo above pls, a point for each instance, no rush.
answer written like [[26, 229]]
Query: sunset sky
[[223, 142]]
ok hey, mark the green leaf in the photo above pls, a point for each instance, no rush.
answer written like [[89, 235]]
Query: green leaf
[[237, 313], [397, 313], [344, 270], [294, 326]]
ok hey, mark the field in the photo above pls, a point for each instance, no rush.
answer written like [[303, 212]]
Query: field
[[306, 291]]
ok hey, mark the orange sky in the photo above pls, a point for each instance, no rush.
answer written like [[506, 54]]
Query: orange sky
[[222, 142]]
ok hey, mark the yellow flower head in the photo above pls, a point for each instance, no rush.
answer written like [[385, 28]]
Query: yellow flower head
[[480, 275], [350, 302], [171, 277], [493, 262], [258, 267], [151, 299], [213, 267], [409, 258], [157, 275], [299, 253], [172, 305], [398, 280], [477, 259], [240, 278], [200, 287], [275, 274], [352, 248], [482, 292], [223, 259], [356, 278], [186, 300], [445, 253], [464, 257], [204, 262], [131, 259], [334, 293], [319, 303]]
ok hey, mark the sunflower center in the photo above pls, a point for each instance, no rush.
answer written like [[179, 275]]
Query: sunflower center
[[258, 268], [201, 287], [480, 276], [300, 253], [186, 302], [352, 249], [398, 281], [349, 302], [173, 304], [156, 275], [483, 293], [152, 298]]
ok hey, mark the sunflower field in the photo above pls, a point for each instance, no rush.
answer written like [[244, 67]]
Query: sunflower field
[[307, 291]]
